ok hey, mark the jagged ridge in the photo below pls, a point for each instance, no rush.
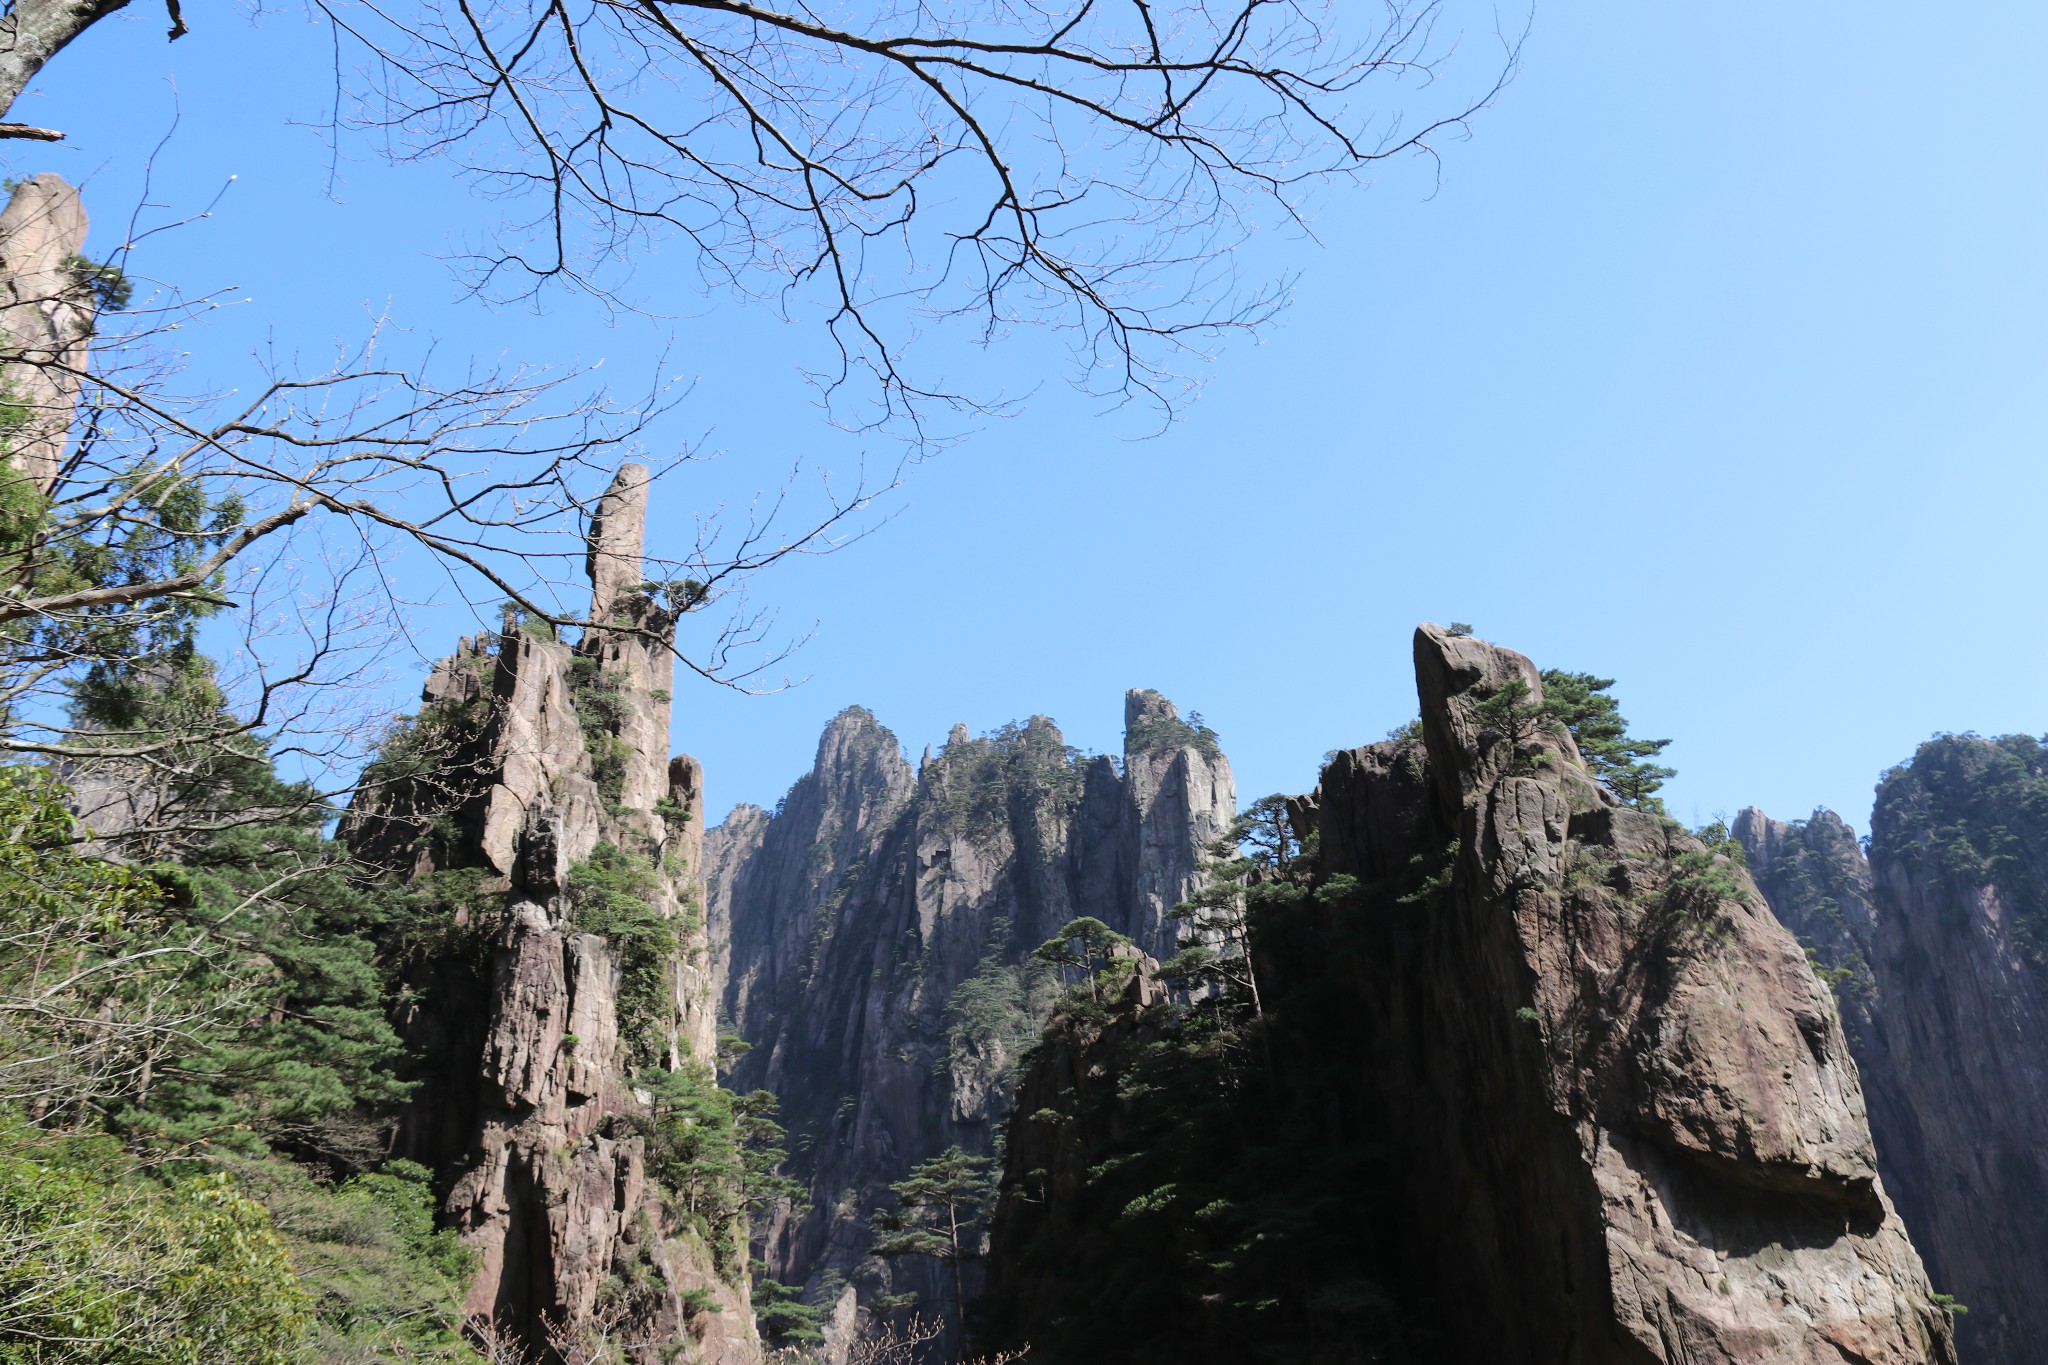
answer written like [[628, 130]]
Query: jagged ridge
[[856, 914]]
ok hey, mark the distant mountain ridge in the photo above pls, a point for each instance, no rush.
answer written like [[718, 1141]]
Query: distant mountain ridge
[[874, 934]]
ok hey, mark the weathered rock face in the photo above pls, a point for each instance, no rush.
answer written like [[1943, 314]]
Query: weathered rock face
[[528, 757], [1620, 1103], [46, 316], [1936, 944], [877, 931]]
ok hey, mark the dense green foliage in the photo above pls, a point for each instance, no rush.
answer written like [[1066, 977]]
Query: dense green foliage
[[601, 704], [109, 285], [1974, 812], [994, 1016], [384, 1284], [230, 1006], [980, 785], [169, 527], [1512, 715], [716, 1153], [139, 1271], [1816, 876], [783, 1316], [1704, 878], [1085, 955]]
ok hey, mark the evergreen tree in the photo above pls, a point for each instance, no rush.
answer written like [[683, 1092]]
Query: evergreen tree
[[1258, 851], [783, 1316], [938, 1204], [1087, 946], [1511, 713], [1582, 704]]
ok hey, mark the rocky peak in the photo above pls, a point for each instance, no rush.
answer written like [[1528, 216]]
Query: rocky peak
[[531, 758], [1678, 1075], [618, 526], [1603, 1109], [1455, 675], [860, 911]]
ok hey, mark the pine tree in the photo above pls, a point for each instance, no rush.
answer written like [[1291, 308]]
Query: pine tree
[[1259, 848], [1512, 714], [937, 1205], [1581, 703], [1086, 945]]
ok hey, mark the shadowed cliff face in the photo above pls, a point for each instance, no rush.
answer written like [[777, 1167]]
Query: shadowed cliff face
[[876, 932], [1617, 1102], [529, 757], [1938, 944]]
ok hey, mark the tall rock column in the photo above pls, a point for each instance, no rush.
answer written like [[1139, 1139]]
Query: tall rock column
[[46, 317], [1181, 795], [545, 757]]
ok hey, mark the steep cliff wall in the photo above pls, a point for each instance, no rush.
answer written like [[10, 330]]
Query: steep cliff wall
[[533, 791], [1939, 941], [878, 929], [1615, 1106]]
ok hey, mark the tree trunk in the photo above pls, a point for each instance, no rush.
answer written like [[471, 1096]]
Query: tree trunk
[[36, 31]]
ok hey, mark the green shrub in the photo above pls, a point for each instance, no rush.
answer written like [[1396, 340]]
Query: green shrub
[[95, 1271]]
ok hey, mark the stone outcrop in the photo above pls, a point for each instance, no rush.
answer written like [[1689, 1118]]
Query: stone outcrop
[[875, 932], [529, 757], [46, 319], [1617, 1105], [1934, 945]]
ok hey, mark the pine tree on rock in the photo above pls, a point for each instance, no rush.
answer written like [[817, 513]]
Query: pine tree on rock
[[1581, 703], [1086, 945]]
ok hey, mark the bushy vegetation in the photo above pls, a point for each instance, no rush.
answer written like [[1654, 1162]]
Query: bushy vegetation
[[1705, 878], [1817, 878], [716, 1153], [144, 1270], [994, 1016], [1580, 705], [601, 707], [979, 785], [383, 1283]]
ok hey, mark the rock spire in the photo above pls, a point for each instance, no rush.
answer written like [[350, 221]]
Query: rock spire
[[530, 758], [46, 317]]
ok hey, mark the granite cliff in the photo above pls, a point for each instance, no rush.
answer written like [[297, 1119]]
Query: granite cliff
[[874, 935], [1935, 945], [1538, 1079], [533, 789]]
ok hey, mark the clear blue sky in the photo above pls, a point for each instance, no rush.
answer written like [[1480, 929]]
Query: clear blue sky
[[1714, 363]]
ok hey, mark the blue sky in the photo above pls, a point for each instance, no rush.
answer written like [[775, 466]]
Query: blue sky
[[1713, 362]]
